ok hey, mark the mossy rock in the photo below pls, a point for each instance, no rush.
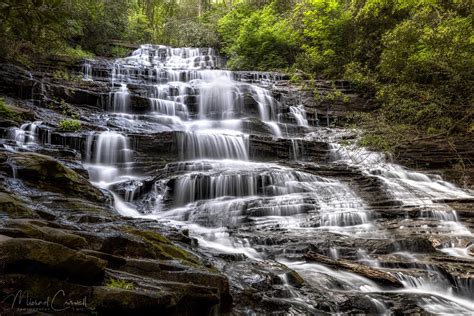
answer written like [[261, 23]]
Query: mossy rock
[[12, 115], [27, 255], [14, 208], [163, 246], [294, 279], [46, 173], [41, 288], [77, 206], [30, 229], [107, 299]]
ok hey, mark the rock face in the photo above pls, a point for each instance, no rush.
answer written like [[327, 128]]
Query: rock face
[[451, 158], [165, 204], [60, 239]]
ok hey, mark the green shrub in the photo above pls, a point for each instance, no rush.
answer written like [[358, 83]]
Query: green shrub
[[120, 52], [70, 125], [375, 142]]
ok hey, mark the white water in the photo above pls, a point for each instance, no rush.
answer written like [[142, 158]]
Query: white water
[[26, 134], [216, 187]]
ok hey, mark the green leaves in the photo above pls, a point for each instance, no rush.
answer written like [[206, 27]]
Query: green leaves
[[258, 39]]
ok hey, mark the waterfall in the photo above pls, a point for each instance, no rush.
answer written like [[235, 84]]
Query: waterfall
[[193, 145], [109, 156], [352, 204], [120, 100], [170, 108], [217, 98], [299, 114], [87, 70]]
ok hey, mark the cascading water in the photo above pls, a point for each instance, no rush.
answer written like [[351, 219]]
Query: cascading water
[[267, 211], [27, 134], [108, 155]]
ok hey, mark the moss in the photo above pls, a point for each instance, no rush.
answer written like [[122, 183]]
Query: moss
[[163, 245], [119, 52], [71, 55], [14, 113], [14, 207], [6, 111], [120, 284]]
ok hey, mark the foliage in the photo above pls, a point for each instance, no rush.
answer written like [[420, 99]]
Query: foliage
[[120, 284], [139, 29], [70, 125], [327, 32], [413, 57], [258, 39]]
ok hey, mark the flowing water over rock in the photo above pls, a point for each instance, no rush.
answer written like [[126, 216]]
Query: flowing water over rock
[[258, 219], [298, 222]]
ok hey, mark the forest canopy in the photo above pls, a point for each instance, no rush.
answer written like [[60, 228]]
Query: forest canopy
[[415, 57]]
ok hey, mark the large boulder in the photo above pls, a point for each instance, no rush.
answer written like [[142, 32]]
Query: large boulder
[[45, 173], [21, 255]]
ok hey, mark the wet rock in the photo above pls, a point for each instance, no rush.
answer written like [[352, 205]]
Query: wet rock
[[140, 104], [452, 159], [46, 173], [14, 207], [109, 300], [162, 246], [413, 244], [294, 279], [16, 81], [113, 262], [76, 95], [40, 230], [77, 208], [20, 255], [15, 115], [370, 273], [470, 250]]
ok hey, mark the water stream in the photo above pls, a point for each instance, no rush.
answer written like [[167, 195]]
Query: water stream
[[270, 211]]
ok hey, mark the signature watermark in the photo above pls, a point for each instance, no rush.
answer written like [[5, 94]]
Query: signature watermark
[[21, 301]]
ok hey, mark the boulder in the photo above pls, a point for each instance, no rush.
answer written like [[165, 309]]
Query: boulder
[[26, 255], [46, 173]]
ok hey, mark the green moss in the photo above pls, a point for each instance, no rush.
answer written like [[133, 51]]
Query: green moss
[[49, 174], [7, 112], [66, 109], [163, 246], [120, 284], [70, 125]]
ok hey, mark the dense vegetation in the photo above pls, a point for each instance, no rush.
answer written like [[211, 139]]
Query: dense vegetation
[[415, 57]]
